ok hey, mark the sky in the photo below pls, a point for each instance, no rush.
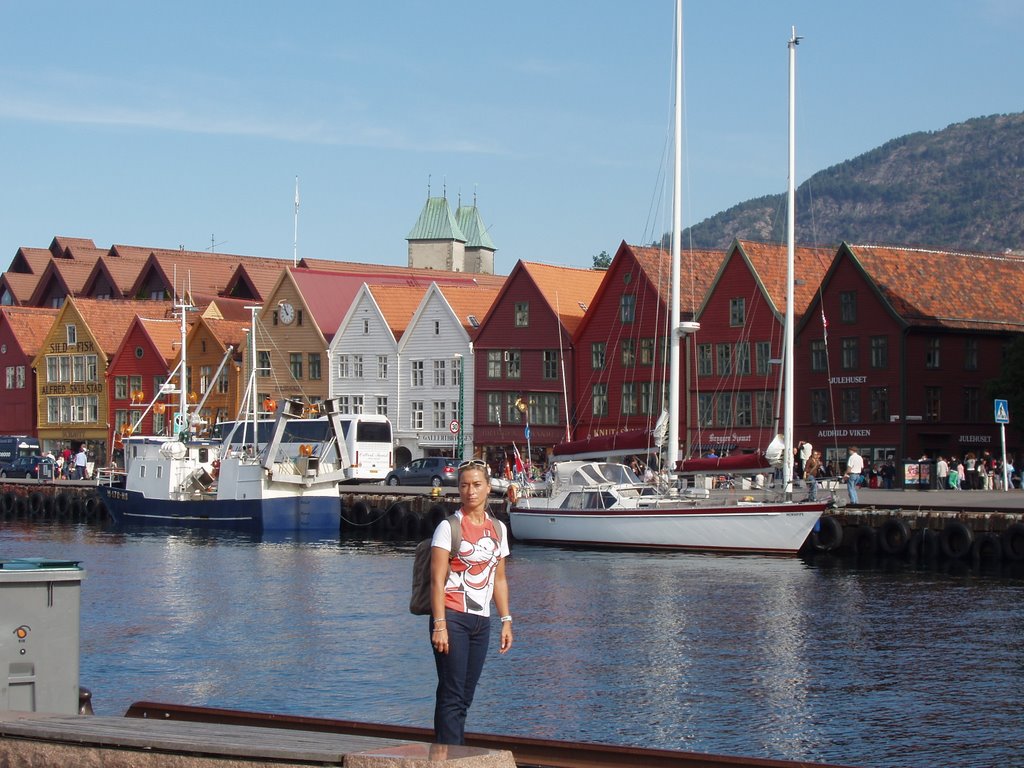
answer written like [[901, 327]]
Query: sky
[[187, 123]]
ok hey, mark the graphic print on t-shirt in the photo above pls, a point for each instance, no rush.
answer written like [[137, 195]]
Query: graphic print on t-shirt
[[471, 580]]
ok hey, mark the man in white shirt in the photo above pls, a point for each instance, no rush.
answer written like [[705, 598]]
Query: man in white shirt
[[942, 473], [80, 461], [854, 472]]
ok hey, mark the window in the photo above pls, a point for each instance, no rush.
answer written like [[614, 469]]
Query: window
[[550, 364], [121, 387], [546, 410], [649, 398], [314, 366], [52, 370], [880, 404], [65, 367], [724, 353], [819, 357], [440, 415], [744, 409], [597, 354], [970, 354], [705, 360], [344, 404], [849, 353], [848, 306], [972, 402], [295, 364], [514, 366], [494, 407], [382, 367], [72, 334], [512, 414], [705, 409], [78, 368], [121, 418], [737, 312], [743, 358], [880, 352], [382, 405], [628, 353], [819, 406], [627, 307], [494, 364], [10, 377], [263, 362], [135, 384], [457, 371], [205, 372], [762, 349], [160, 422], [931, 353], [222, 381], [357, 366], [344, 367], [417, 373], [599, 400], [629, 399], [932, 403], [765, 409], [723, 409], [851, 405], [416, 414], [440, 375], [437, 327], [522, 314], [646, 351]]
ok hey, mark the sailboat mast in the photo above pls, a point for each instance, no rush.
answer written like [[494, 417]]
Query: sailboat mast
[[672, 438], [787, 430]]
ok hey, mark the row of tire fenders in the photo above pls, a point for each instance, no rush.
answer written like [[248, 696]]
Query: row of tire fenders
[[954, 541], [60, 506]]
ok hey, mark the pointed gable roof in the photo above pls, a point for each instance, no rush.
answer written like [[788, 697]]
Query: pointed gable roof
[[31, 261], [768, 263], [472, 226], [163, 335], [436, 222], [226, 332], [109, 319], [29, 326], [469, 302], [397, 304], [82, 248], [568, 291], [915, 283], [21, 286], [254, 280]]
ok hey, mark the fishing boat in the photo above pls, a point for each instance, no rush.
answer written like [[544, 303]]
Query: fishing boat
[[202, 483], [601, 503]]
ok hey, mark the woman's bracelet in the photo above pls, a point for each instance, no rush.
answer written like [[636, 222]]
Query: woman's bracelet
[[440, 629]]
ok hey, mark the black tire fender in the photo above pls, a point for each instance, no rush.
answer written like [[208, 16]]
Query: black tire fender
[[829, 534], [987, 548], [1013, 542], [865, 540], [894, 536], [956, 540]]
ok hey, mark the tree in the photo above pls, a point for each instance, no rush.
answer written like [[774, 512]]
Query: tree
[[602, 261], [1010, 385]]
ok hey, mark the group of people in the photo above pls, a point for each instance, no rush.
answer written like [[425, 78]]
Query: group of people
[[71, 465], [975, 473]]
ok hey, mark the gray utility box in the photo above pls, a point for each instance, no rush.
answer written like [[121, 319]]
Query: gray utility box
[[39, 615]]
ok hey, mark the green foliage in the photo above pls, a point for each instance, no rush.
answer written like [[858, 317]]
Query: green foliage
[[1009, 385], [602, 261]]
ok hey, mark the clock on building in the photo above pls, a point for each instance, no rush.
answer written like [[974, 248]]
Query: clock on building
[[286, 313]]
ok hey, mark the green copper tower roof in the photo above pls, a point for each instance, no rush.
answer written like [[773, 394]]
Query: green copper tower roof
[[436, 223], [469, 221]]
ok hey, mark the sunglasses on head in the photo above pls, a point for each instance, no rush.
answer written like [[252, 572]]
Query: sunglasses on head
[[474, 463]]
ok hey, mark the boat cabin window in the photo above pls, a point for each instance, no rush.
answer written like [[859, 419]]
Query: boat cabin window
[[142, 470], [588, 500], [159, 471]]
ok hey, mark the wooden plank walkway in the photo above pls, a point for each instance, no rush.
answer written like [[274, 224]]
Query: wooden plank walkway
[[253, 745]]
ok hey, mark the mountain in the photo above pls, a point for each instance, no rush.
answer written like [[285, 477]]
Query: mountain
[[961, 188]]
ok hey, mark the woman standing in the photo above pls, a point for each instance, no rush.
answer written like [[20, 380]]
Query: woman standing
[[461, 588]]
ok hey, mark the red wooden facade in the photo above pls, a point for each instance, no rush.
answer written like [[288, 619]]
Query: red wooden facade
[[22, 330]]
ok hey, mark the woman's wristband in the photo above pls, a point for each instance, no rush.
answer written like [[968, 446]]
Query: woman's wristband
[[506, 619]]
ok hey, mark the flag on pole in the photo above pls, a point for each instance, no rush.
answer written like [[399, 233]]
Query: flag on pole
[[519, 459], [824, 325]]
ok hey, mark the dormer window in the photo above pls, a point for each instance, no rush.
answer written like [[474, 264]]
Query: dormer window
[[72, 334]]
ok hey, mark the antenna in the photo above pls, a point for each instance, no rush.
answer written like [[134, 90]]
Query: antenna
[[214, 244], [428, 186], [295, 241]]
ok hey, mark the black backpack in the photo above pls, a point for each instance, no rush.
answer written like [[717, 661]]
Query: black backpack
[[419, 601]]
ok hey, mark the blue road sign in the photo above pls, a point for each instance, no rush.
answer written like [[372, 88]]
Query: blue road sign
[[1002, 412]]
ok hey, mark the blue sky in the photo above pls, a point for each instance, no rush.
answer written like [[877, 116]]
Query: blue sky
[[187, 123]]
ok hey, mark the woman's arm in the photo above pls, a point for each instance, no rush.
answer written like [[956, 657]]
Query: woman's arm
[[501, 602], [438, 576]]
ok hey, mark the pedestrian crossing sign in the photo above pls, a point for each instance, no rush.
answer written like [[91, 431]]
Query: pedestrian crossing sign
[[1002, 412]]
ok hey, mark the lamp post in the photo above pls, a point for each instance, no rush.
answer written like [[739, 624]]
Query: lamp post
[[460, 440]]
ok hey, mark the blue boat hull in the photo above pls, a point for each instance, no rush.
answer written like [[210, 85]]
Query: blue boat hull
[[293, 513]]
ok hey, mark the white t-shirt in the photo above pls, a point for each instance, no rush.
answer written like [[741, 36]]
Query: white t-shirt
[[855, 464], [470, 584]]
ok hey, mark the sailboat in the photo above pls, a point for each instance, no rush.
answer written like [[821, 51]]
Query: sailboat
[[606, 504], [201, 483]]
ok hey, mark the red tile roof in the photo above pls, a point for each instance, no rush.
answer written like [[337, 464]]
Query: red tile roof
[[567, 290], [109, 320], [228, 332], [165, 335], [398, 303], [950, 290], [697, 271], [21, 285], [414, 273], [769, 264], [469, 302], [30, 326]]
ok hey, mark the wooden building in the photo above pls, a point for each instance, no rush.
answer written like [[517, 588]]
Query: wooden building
[[137, 371], [22, 331]]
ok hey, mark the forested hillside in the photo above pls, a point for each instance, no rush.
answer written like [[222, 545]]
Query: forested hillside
[[961, 188]]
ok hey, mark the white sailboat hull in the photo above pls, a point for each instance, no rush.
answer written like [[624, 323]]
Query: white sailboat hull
[[763, 528]]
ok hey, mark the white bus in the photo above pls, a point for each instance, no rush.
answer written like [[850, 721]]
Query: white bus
[[368, 440]]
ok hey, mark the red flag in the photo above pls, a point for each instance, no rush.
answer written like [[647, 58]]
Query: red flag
[[518, 458]]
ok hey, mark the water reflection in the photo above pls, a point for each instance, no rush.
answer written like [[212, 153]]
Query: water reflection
[[821, 660]]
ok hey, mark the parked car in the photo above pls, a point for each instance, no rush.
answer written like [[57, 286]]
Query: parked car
[[25, 466], [435, 471]]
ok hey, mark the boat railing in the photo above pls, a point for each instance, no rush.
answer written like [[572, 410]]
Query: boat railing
[[110, 476]]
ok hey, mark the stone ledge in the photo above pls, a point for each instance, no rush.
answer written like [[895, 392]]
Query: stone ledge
[[418, 755]]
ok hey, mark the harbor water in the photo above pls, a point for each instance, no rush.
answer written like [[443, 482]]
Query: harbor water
[[879, 664]]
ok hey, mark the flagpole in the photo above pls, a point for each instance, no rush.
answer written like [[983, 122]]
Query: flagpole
[[295, 239]]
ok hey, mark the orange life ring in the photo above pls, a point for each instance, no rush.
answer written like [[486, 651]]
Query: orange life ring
[[159, 408], [270, 404], [513, 494], [305, 450], [126, 428]]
